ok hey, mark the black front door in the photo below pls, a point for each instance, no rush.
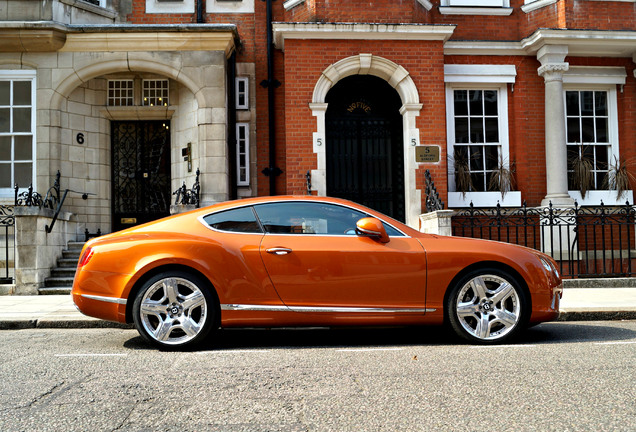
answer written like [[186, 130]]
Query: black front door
[[364, 144], [141, 172]]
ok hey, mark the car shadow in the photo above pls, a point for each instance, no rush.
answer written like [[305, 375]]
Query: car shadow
[[308, 338], [577, 332]]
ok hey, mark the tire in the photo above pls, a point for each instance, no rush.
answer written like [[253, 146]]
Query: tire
[[174, 309], [488, 306]]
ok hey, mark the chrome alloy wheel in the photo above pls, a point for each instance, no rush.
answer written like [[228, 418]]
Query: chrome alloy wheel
[[173, 311], [488, 307]]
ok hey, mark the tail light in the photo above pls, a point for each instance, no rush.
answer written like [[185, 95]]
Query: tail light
[[86, 257]]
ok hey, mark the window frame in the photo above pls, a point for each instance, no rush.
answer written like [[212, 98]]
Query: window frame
[[479, 198], [176, 6], [12, 76], [599, 78], [476, 7], [120, 98], [145, 101], [246, 144], [475, 3], [244, 94], [595, 196]]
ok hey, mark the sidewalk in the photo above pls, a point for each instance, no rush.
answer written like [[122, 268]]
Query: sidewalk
[[58, 311]]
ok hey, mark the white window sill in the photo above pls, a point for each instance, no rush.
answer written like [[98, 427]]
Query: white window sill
[[460, 10], [530, 6], [609, 198], [290, 4], [484, 199]]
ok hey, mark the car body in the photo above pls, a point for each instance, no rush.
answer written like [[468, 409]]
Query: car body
[[308, 261]]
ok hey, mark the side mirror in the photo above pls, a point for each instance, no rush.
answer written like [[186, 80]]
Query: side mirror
[[372, 227]]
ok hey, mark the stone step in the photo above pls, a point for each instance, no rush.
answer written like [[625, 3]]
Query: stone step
[[67, 263], [55, 290], [71, 254], [63, 272], [76, 246], [61, 279], [56, 281]]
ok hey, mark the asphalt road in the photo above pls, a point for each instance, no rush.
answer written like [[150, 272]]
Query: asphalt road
[[565, 376]]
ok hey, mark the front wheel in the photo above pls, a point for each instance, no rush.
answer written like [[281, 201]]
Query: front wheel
[[174, 310], [487, 306]]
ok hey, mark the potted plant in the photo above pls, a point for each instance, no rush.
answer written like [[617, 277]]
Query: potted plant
[[463, 179], [619, 177], [582, 171], [502, 178]]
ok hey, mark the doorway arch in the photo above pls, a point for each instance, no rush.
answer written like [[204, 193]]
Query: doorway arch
[[398, 78], [364, 151]]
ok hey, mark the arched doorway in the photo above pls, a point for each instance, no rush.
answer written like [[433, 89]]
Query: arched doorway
[[364, 144]]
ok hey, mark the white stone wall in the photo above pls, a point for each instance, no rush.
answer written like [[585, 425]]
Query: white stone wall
[[85, 167], [184, 130], [72, 97]]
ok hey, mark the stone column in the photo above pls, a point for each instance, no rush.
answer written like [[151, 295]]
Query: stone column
[[552, 68]]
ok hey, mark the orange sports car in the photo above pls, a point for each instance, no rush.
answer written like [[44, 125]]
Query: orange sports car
[[308, 261]]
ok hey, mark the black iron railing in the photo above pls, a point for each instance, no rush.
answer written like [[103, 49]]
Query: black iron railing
[[7, 226], [585, 241], [433, 200], [187, 196], [31, 198]]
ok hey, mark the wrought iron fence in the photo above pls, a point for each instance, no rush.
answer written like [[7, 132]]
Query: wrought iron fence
[[7, 227], [585, 241], [433, 200], [187, 196]]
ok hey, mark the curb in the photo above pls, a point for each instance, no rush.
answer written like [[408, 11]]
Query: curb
[[596, 315], [99, 324], [60, 324]]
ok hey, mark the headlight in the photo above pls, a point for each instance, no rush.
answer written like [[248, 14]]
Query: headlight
[[546, 264], [550, 268]]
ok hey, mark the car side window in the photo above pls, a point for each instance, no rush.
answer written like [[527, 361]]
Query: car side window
[[311, 218], [391, 232], [307, 218], [241, 220]]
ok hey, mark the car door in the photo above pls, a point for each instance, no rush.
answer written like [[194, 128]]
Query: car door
[[315, 259]]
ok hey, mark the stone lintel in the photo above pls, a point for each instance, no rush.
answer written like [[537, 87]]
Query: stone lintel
[[52, 36]]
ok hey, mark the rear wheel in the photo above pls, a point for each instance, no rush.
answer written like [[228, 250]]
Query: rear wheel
[[488, 306], [174, 310]]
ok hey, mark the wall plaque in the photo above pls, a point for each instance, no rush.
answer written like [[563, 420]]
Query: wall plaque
[[427, 154]]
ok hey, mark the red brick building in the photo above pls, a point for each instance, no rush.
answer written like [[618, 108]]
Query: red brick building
[[374, 93]]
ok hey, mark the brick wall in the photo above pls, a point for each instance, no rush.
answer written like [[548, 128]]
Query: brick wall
[[305, 60], [300, 66]]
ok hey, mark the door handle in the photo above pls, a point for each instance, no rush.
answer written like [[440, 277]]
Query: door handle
[[278, 251]]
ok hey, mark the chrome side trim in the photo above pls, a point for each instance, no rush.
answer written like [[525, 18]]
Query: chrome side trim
[[117, 300], [244, 307]]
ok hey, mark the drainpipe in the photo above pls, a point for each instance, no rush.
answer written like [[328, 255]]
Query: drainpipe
[[231, 124], [199, 11], [271, 83]]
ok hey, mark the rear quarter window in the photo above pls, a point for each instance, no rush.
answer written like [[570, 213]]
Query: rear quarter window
[[241, 220]]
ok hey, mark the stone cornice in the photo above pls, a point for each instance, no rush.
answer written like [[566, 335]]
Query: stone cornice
[[584, 43], [580, 43], [51, 36], [360, 31]]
